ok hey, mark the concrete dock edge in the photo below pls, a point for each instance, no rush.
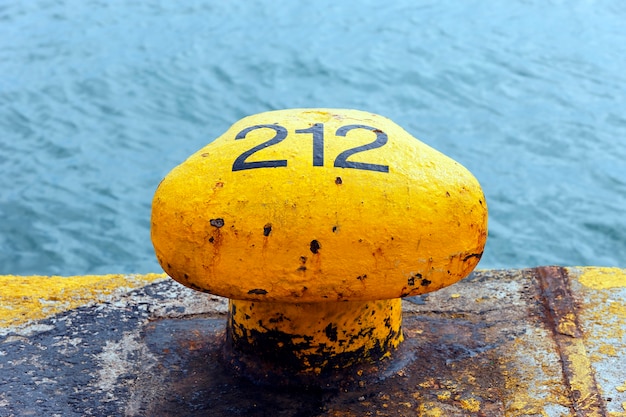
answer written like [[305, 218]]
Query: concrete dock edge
[[546, 341]]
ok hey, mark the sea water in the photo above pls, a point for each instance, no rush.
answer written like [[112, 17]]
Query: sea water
[[101, 99]]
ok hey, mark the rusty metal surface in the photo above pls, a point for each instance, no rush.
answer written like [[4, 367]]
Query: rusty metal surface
[[562, 317], [532, 342]]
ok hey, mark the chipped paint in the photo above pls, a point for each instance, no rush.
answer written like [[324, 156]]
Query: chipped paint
[[562, 314], [494, 348], [470, 404], [602, 278], [602, 295], [270, 211], [288, 339], [27, 298]]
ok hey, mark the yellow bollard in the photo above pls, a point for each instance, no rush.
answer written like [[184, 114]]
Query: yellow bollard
[[315, 222]]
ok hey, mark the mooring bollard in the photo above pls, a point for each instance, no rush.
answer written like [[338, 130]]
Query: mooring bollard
[[314, 223]]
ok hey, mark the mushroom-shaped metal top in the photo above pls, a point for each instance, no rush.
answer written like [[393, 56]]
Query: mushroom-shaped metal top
[[316, 205]]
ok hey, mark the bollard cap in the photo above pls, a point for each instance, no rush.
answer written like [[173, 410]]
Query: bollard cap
[[314, 205]]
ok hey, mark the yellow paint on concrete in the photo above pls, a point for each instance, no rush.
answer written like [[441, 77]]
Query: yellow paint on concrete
[[618, 309], [470, 404], [602, 278], [524, 407], [317, 205], [533, 385], [604, 318], [602, 315], [429, 409], [27, 298], [619, 413], [608, 350], [444, 395], [567, 324], [582, 377]]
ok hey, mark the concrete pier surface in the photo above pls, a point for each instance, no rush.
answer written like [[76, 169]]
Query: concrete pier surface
[[546, 341]]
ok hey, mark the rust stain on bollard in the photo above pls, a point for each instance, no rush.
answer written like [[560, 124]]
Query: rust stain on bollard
[[290, 341]]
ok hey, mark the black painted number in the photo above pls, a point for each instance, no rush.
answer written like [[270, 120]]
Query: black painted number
[[317, 131], [342, 158], [241, 164]]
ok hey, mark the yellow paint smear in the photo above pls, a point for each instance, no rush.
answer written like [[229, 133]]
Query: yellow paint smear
[[429, 409], [608, 350], [444, 396], [619, 413], [618, 309], [27, 298], [470, 404], [602, 278]]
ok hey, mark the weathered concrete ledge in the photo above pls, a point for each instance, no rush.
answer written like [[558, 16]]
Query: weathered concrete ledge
[[547, 341]]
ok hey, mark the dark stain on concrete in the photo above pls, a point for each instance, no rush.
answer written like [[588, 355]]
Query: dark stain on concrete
[[121, 358]]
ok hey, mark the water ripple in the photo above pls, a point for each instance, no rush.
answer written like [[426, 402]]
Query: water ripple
[[99, 100]]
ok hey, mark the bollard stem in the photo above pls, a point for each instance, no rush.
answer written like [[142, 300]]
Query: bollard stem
[[314, 338]]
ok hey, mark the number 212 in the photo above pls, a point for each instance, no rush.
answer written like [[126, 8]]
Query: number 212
[[317, 131]]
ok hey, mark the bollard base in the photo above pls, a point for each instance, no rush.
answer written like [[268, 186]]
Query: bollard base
[[316, 343]]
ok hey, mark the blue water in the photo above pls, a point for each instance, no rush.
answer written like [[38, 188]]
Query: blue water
[[100, 99]]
